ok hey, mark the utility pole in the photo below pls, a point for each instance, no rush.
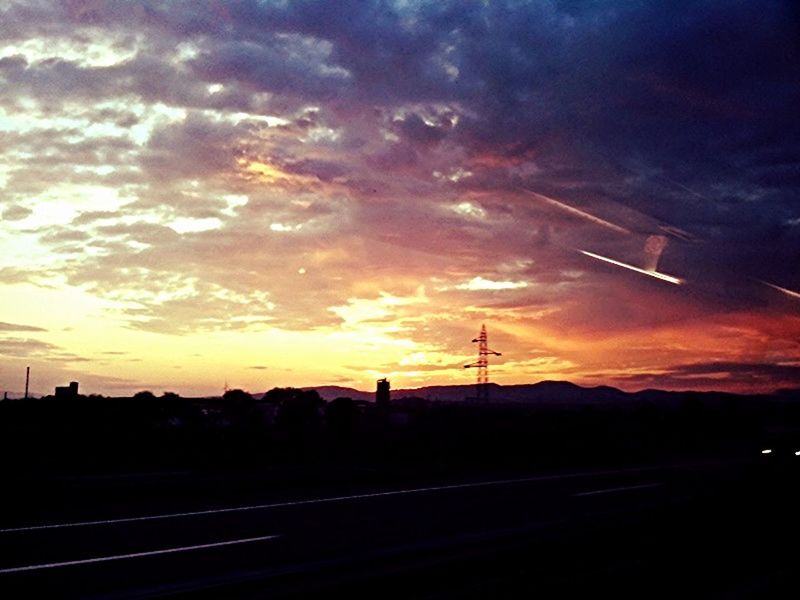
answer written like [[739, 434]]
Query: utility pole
[[27, 381], [482, 364]]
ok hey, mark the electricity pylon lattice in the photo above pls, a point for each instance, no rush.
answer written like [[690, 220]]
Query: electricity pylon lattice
[[482, 364]]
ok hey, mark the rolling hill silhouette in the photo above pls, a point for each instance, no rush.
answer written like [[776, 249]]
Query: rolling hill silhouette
[[551, 392]]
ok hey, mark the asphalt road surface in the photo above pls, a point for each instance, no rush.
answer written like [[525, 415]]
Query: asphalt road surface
[[720, 529]]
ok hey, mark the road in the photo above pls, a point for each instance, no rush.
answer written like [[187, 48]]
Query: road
[[707, 529]]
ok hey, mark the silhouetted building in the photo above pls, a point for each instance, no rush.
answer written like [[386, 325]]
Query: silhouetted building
[[382, 394], [67, 391]]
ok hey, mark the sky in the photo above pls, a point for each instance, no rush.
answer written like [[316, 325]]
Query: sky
[[272, 193]]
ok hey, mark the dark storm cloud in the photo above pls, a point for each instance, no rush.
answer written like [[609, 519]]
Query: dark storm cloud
[[15, 212], [756, 369], [714, 374], [324, 170], [13, 348], [286, 67], [604, 86], [616, 89], [43, 148], [415, 129], [25, 347], [89, 217], [404, 135], [13, 327], [148, 233], [146, 76]]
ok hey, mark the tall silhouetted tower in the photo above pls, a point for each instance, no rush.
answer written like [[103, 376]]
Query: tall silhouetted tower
[[382, 393], [482, 384]]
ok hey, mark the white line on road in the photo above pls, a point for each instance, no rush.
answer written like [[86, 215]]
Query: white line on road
[[439, 488], [86, 561], [619, 489]]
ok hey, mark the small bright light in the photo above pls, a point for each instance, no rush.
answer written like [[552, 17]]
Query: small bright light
[[767, 451], [797, 453]]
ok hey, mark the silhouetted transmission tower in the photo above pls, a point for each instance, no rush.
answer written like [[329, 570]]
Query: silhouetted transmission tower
[[482, 385]]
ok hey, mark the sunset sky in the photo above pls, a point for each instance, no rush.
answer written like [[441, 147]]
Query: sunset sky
[[297, 193]]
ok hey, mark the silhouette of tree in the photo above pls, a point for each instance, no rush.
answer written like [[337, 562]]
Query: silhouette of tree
[[340, 414], [241, 408], [144, 395], [278, 395], [170, 396], [300, 410], [237, 396]]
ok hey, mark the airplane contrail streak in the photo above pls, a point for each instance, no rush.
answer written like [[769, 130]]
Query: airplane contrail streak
[[655, 274], [577, 212], [688, 189], [678, 233], [791, 293]]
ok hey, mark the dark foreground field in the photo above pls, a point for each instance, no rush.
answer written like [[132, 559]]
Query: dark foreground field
[[722, 528], [107, 499]]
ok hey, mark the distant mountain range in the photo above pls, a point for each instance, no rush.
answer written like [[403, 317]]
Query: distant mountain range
[[556, 393], [547, 392]]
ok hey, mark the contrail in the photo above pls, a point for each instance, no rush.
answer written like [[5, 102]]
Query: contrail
[[655, 274], [688, 189], [653, 249], [577, 212], [665, 227], [677, 232], [791, 293]]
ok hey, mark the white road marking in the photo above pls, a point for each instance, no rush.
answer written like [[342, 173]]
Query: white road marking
[[234, 509], [619, 489], [86, 561]]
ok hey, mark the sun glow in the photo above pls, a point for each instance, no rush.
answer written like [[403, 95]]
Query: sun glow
[[265, 171]]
